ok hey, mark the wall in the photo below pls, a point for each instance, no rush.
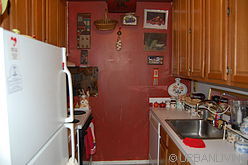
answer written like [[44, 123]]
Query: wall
[[125, 81]]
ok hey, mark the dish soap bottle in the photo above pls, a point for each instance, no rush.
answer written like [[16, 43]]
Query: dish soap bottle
[[239, 116]]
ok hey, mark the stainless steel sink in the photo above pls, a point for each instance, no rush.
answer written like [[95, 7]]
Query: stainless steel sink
[[194, 128]]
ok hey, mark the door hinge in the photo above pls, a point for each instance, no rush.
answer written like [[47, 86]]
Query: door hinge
[[228, 11], [228, 71]]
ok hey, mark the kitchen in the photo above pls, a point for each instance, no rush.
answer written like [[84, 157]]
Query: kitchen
[[125, 81]]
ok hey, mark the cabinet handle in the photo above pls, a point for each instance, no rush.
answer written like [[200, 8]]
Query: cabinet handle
[[189, 70], [228, 11], [190, 31]]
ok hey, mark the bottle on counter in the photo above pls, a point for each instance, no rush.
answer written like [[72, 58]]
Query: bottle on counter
[[236, 114], [173, 104]]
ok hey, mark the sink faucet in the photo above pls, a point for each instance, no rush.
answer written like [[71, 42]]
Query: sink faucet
[[208, 104], [204, 110]]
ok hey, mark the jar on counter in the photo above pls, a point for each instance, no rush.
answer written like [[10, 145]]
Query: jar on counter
[[244, 126], [173, 104]]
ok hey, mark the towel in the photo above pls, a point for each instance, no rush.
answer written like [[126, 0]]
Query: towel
[[90, 141], [195, 143]]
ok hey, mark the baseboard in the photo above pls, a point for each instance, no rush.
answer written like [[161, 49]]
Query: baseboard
[[126, 162]]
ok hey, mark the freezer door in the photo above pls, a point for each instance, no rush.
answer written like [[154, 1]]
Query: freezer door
[[34, 87], [55, 151]]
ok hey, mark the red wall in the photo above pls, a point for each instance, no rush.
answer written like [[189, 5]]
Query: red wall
[[125, 81]]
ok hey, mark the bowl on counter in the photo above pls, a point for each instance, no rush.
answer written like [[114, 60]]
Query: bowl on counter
[[241, 147]]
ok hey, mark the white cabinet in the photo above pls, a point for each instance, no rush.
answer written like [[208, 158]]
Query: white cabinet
[[154, 134]]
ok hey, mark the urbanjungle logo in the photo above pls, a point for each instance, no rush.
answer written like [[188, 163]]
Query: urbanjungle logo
[[209, 158]]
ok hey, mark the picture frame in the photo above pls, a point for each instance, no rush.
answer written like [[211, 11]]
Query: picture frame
[[155, 19], [155, 41], [155, 60], [129, 20], [83, 30]]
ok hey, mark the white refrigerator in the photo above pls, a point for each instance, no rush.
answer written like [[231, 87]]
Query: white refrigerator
[[33, 102]]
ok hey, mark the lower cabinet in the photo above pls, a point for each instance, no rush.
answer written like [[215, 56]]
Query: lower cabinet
[[169, 152]]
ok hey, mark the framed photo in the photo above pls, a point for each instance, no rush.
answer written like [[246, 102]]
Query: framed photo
[[129, 20], [155, 41], [155, 19], [155, 60]]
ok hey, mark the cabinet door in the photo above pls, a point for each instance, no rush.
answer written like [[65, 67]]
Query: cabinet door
[[216, 39], [173, 153], [62, 23], [38, 19], [20, 15], [175, 38], [197, 39], [163, 151], [52, 21], [184, 40], [239, 40]]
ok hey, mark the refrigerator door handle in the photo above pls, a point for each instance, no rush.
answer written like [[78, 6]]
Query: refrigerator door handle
[[71, 127], [68, 73]]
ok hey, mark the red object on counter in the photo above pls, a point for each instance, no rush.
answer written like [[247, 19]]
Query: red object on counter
[[156, 105], [162, 105], [195, 143]]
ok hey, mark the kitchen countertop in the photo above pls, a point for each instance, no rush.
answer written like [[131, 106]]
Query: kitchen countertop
[[217, 151], [82, 119]]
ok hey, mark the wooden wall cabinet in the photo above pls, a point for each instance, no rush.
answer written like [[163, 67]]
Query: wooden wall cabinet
[[238, 42], [44, 19], [197, 37], [175, 38], [168, 151], [217, 41], [184, 39], [188, 38]]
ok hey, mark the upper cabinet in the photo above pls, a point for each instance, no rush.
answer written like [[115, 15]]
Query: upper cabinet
[[20, 16], [238, 42], [216, 38], [184, 41], [38, 19], [43, 19], [197, 41], [188, 48], [175, 39]]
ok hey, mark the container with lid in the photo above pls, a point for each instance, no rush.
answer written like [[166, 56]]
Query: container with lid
[[244, 126]]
